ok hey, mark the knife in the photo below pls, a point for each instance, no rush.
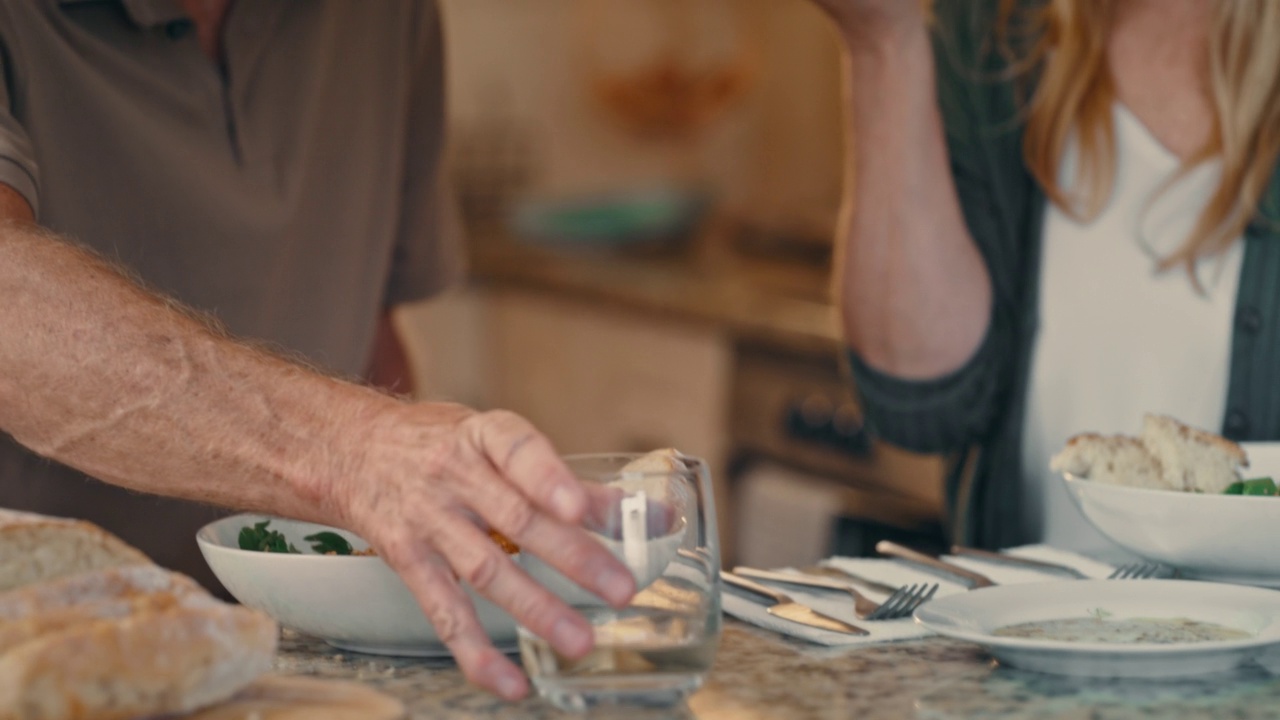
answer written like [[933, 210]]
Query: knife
[[967, 577], [788, 609], [1018, 561], [844, 575]]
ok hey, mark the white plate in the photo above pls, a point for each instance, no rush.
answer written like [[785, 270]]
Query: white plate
[[1225, 538], [354, 603], [975, 615]]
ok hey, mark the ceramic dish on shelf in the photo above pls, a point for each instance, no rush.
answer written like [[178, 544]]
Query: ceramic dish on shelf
[[352, 602], [1223, 538], [1251, 615]]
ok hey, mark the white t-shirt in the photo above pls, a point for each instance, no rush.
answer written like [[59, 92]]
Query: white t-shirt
[[1116, 339]]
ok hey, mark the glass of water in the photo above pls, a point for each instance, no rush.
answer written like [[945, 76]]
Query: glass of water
[[660, 522]]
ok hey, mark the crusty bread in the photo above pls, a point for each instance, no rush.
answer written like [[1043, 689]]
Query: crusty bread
[[90, 628], [1114, 459], [37, 547], [1169, 456], [1192, 459], [31, 611], [86, 588], [175, 659]]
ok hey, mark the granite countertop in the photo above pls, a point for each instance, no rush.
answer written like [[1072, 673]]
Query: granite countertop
[[761, 676]]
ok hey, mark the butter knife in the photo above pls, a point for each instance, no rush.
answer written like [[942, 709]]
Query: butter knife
[[1014, 560], [831, 571], [787, 609], [967, 577]]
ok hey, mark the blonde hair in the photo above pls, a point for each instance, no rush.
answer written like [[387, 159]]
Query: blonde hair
[[1074, 94]]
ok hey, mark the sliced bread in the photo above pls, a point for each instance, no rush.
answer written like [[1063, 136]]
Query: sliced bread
[[1192, 459], [1113, 459]]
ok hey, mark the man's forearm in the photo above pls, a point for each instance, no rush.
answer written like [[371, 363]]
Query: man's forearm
[[104, 376], [915, 293]]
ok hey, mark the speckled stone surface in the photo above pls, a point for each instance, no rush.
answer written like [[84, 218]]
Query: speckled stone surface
[[761, 676]]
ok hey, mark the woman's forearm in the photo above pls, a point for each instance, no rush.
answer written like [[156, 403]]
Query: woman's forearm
[[915, 293]]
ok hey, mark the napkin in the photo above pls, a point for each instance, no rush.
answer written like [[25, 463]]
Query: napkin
[[750, 608]]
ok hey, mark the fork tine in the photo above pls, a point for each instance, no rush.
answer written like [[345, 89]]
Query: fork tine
[[1121, 572], [890, 607], [886, 609], [929, 596], [912, 601], [904, 602], [917, 597], [1136, 571], [926, 594]]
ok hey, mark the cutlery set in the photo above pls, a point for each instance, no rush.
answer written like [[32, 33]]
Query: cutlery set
[[901, 601]]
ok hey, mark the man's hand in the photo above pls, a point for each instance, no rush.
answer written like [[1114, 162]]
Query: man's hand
[[102, 375], [432, 479]]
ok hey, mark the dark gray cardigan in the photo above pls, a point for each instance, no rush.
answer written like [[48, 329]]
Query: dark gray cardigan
[[975, 416]]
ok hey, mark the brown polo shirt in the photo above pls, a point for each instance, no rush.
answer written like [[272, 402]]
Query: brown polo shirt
[[292, 191]]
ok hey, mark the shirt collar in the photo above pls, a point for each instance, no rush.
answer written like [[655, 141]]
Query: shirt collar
[[144, 13]]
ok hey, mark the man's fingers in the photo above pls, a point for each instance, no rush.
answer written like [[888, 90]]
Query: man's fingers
[[527, 459], [449, 609], [567, 548], [481, 564]]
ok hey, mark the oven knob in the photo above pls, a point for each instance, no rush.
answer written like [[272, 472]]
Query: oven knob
[[810, 418]]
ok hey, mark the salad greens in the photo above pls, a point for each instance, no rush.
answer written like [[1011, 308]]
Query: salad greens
[[1257, 486], [259, 537], [329, 542]]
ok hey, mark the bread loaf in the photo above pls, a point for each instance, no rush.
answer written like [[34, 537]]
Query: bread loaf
[[34, 610], [36, 547], [175, 658], [90, 629], [1193, 459]]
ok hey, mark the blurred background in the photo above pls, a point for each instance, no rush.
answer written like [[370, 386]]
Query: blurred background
[[649, 192]]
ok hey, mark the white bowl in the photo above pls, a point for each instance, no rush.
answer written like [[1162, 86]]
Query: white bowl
[[351, 602], [1229, 538]]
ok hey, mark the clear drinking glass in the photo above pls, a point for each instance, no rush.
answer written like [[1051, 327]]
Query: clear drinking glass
[[657, 650]]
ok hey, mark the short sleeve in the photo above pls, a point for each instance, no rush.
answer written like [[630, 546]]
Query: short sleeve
[[18, 167], [428, 253]]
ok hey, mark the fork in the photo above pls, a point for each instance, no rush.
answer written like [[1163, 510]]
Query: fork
[[901, 603], [1137, 571]]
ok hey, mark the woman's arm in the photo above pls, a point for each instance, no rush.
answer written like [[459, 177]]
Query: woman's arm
[[914, 290], [104, 376]]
